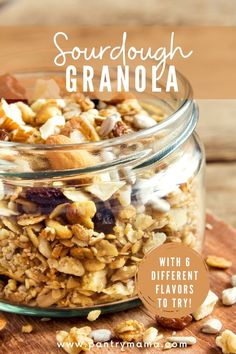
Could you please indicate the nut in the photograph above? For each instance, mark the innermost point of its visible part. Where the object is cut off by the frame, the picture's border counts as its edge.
(129, 331)
(68, 159)
(227, 342)
(150, 335)
(10, 116)
(82, 125)
(211, 326)
(174, 323)
(159, 205)
(218, 262)
(109, 124)
(142, 121)
(229, 296)
(101, 335)
(188, 340)
(93, 315)
(120, 129)
(81, 212)
(206, 307)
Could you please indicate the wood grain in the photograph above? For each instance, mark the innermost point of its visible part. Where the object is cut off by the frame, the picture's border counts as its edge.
(204, 12)
(221, 241)
(217, 129)
(221, 190)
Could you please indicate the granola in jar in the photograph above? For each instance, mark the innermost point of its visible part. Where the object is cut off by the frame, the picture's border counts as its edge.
(83, 197)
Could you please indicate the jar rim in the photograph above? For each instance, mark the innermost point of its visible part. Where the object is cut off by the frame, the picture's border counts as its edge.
(186, 102)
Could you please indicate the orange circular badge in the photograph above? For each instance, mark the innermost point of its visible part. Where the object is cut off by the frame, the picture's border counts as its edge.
(172, 280)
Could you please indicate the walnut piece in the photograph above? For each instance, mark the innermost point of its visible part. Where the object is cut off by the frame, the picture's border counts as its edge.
(130, 330)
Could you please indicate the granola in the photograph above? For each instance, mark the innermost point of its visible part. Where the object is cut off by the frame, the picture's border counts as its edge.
(77, 241)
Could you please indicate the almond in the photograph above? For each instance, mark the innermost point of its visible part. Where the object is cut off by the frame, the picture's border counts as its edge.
(63, 160)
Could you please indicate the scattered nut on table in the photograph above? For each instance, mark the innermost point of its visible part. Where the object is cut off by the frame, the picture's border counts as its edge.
(93, 315)
(206, 307)
(174, 323)
(190, 340)
(150, 335)
(130, 330)
(229, 296)
(101, 335)
(211, 326)
(75, 335)
(227, 342)
(218, 262)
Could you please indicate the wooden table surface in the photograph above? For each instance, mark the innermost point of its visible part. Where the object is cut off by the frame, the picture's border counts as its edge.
(221, 240)
(217, 129)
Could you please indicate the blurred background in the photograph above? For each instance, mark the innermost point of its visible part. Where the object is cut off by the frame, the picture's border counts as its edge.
(98, 12)
(217, 126)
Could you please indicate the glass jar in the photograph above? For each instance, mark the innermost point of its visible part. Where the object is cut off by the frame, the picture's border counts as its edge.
(72, 237)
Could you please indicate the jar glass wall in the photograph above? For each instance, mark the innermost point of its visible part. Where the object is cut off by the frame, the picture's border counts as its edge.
(76, 220)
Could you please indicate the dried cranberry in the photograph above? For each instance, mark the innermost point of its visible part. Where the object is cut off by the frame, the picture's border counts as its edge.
(104, 220)
(47, 198)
